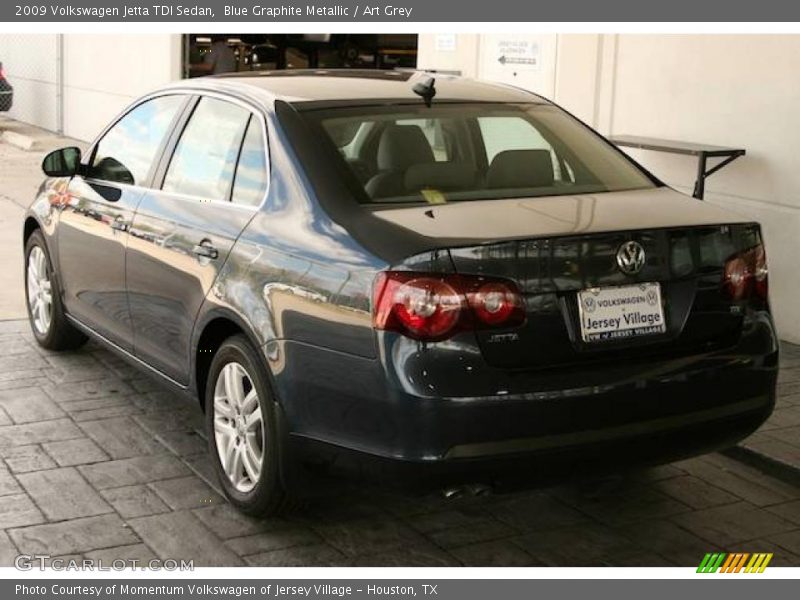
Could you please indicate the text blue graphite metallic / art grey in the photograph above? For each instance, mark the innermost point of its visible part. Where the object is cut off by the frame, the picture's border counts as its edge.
(403, 274)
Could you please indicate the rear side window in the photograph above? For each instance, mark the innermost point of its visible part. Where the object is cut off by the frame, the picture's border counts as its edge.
(127, 151)
(250, 183)
(204, 161)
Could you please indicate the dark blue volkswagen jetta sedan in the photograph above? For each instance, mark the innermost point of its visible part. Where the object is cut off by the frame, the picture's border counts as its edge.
(404, 274)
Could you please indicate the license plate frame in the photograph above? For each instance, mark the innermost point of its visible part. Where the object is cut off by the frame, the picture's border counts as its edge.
(615, 313)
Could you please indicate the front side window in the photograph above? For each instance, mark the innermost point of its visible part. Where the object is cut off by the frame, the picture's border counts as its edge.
(462, 152)
(127, 151)
(204, 162)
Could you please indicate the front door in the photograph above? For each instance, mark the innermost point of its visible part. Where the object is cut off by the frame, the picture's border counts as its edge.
(94, 222)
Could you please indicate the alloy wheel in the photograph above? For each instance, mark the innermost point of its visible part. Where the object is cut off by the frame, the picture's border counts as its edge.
(40, 296)
(238, 427)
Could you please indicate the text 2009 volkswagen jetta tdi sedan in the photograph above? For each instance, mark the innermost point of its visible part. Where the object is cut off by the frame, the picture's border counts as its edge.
(454, 279)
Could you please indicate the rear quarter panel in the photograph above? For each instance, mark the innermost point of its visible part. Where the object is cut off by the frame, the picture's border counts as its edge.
(294, 275)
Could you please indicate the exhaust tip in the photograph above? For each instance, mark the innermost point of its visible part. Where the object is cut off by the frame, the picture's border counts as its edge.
(452, 493)
(480, 489)
(471, 489)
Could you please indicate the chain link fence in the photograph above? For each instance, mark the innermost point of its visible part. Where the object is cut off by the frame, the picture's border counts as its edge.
(33, 66)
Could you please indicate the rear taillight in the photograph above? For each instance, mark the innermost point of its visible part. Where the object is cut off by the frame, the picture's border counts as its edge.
(432, 307)
(423, 307)
(495, 303)
(746, 275)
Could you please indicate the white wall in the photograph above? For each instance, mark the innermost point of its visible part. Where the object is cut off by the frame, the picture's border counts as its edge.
(101, 75)
(523, 60)
(719, 89)
(449, 52)
(105, 73)
(31, 63)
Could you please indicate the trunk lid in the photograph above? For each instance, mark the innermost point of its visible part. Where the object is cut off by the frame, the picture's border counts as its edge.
(572, 245)
(485, 221)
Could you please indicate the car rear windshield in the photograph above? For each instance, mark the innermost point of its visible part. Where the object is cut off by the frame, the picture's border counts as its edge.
(461, 152)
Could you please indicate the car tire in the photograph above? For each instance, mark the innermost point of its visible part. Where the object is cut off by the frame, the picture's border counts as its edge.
(46, 315)
(235, 441)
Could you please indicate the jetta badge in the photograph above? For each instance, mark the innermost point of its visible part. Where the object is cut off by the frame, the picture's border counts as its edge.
(630, 257)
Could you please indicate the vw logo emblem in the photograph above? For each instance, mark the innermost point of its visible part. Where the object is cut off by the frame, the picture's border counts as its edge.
(630, 257)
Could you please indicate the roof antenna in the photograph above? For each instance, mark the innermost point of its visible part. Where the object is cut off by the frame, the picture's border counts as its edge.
(426, 90)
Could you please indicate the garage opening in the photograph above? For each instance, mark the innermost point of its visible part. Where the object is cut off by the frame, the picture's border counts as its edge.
(205, 54)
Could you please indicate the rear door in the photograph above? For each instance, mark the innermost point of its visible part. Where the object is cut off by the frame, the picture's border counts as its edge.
(93, 226)
(210, 184)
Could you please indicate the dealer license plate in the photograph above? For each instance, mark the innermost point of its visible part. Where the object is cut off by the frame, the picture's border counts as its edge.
(621, 312)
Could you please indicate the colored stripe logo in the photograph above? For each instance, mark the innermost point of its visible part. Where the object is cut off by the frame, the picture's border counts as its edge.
(738, 562)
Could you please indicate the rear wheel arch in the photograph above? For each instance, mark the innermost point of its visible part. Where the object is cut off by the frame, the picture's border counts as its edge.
(213, 332)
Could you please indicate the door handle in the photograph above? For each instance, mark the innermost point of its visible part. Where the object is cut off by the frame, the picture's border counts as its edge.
(205, 250)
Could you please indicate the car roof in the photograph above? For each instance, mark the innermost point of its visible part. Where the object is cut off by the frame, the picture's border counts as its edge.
(320, 87)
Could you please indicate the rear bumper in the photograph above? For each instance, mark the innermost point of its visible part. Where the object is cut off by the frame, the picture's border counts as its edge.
(351, 411)
(537, 461)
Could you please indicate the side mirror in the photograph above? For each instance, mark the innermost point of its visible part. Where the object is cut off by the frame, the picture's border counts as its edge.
(63, 162)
